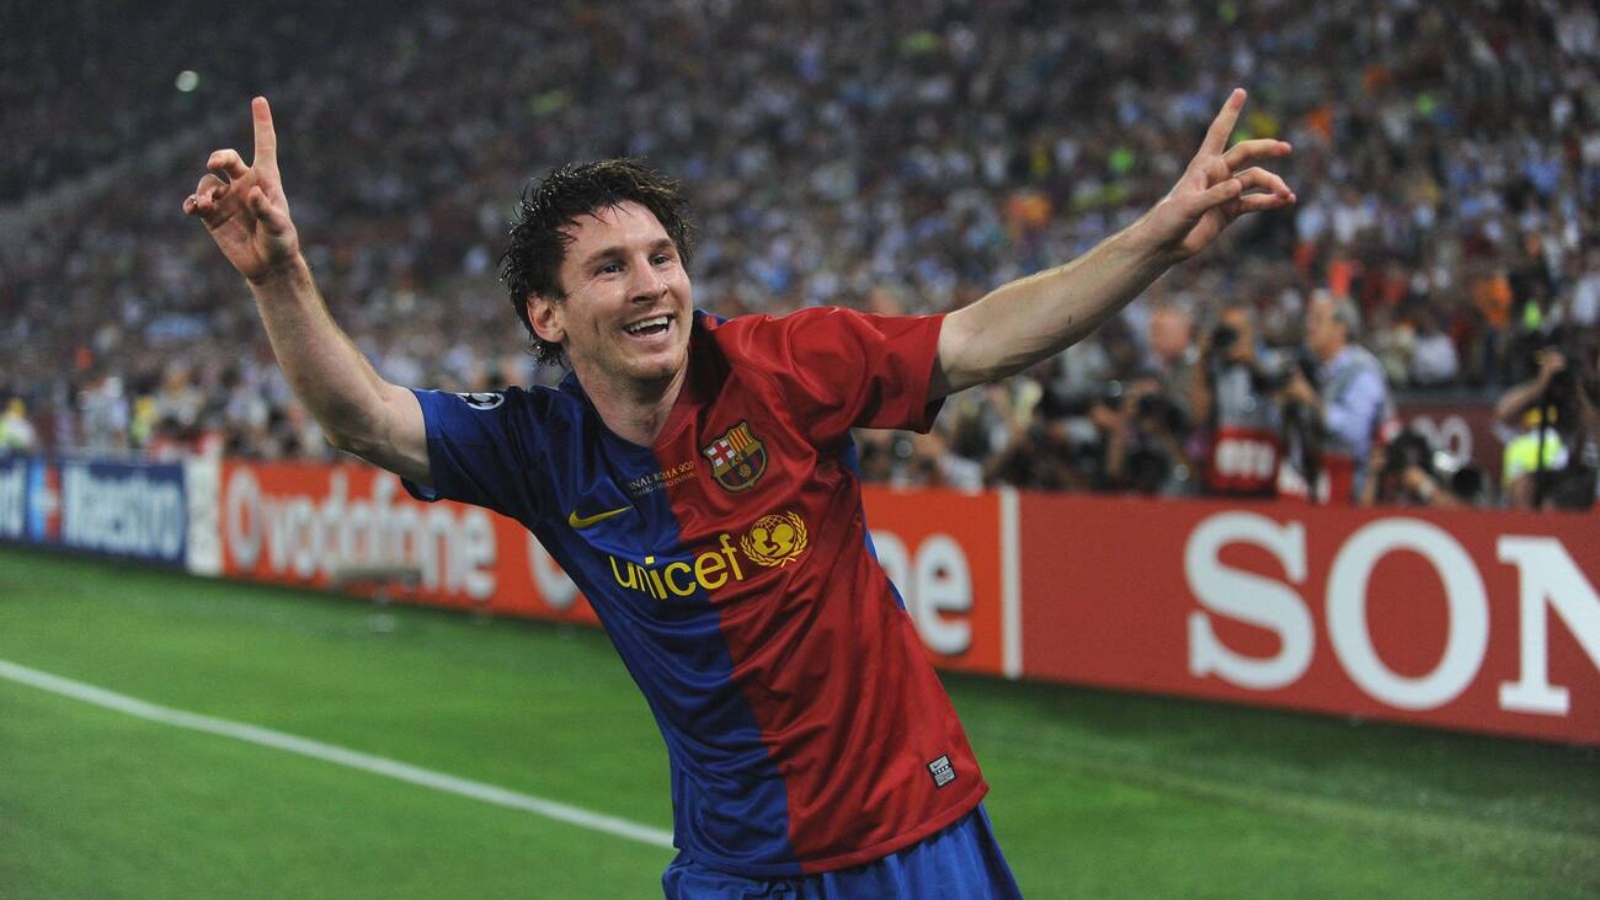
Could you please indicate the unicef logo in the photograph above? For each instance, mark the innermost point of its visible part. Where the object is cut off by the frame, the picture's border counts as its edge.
(483, 399)
(775, 540)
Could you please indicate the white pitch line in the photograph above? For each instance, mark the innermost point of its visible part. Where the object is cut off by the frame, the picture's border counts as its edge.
(366, 762)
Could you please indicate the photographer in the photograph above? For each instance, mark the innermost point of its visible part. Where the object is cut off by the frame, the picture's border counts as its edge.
(1234, 398)
(1409, 472)
(1550, 463)
(1345, 409)
(1057, 450)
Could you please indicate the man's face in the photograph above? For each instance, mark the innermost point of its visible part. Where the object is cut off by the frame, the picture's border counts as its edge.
(626, 318)
(1244, 348)
(1324, 336)
(1169, 335)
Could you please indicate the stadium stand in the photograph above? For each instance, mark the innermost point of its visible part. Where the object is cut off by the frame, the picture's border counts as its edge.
(900, 156)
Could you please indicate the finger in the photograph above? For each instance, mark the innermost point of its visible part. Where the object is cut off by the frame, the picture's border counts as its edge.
(266, 136)
(229, 163)
(207, 190)
(1222, 126)
(1218, 194)
(1246, 152)
(276, 218)
(1253, 203)
(1258, 180)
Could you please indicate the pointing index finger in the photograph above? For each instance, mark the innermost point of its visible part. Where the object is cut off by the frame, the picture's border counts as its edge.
(266, 138)
(1222, 126)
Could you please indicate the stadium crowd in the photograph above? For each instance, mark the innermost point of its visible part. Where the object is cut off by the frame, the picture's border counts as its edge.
(899, 157)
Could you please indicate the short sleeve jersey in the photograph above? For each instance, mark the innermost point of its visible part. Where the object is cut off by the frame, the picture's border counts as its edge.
(731, 566)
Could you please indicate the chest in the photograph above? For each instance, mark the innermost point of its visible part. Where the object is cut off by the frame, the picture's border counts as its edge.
(731, 499)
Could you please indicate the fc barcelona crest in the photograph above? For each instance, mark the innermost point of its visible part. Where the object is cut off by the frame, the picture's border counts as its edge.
(738, 458)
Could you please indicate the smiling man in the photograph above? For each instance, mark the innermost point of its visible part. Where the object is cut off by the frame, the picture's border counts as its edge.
(696, 478)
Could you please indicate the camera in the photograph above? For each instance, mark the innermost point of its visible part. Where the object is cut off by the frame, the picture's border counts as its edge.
(1406, 450)
(1223, 337)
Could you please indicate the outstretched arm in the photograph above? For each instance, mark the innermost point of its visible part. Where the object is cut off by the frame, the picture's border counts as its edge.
(247, 214)
(1027, 320)
(1511, 404)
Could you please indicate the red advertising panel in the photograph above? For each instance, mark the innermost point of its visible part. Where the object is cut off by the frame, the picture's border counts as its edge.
(349, 525)
(327, 526)
(1477, 621)
(942, 550)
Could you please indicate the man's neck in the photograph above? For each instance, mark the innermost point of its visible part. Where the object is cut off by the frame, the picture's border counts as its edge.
(635, 412)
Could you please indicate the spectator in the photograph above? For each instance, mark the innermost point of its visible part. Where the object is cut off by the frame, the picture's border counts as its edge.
(1530, 458)
(1434, 363)
(1347, 406)
(1057, 451)
(103, 416)
(17, 434)
(1540, 468)
(846, 159)
(1409, 472)
(1235, 400)
(1174, 358)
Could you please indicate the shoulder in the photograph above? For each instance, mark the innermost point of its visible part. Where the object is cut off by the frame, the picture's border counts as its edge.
(510, 408)
(504, 400)
(828, 329)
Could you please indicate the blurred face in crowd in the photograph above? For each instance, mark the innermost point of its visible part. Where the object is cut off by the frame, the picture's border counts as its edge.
(1238, 318)
(626, 317)
(1324, 335)
(1169, 335)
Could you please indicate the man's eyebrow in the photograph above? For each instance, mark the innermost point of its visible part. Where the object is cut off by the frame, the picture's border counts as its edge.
(617, 251)
(604, 253)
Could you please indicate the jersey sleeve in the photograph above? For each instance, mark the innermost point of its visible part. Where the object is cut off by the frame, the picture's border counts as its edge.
(838, 369)
(479, 453)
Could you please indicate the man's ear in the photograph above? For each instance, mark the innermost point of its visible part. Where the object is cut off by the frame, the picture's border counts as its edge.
(545, 315)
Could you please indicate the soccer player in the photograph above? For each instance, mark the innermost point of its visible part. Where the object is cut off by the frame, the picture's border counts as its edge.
(696, 478)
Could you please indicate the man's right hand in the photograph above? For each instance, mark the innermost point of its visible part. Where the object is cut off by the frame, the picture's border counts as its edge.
(1551, 362)
(244, 207)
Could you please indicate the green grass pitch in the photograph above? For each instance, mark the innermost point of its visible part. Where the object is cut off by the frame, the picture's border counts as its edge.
(1095, 795)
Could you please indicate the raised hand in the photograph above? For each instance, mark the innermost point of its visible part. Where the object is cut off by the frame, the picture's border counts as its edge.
(244, 207)
(1220, 184)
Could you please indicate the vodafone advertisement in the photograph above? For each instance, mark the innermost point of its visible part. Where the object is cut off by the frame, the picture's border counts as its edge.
(1477, 621)
(319, 525)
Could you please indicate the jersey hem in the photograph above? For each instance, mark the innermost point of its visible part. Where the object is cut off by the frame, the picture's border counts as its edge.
(855, 857)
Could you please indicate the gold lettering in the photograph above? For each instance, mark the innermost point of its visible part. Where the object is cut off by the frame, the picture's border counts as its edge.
(673, 584)
(660, 591)
(727, 551)
(630, 583)
(708, 566)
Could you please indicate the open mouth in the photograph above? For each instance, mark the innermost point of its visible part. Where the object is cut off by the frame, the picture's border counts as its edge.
(649, 327)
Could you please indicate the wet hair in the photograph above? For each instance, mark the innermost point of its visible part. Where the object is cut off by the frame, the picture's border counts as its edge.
(540, 229)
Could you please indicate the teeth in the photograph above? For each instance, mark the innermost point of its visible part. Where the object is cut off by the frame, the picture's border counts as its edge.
(637, 327)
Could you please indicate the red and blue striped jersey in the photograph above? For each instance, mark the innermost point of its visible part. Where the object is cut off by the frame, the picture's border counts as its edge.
(731, 566)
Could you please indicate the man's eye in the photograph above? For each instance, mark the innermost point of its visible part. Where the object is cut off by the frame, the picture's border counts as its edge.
(609, 269)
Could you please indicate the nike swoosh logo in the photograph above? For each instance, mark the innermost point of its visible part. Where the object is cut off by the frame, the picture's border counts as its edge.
(577, 521)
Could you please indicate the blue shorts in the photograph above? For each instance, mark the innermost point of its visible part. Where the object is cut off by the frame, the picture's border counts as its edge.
(962, 862)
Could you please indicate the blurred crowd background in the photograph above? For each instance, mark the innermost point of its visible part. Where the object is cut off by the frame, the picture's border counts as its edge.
(901, 156)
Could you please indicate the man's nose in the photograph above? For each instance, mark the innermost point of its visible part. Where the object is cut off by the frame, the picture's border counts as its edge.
(648, 282)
